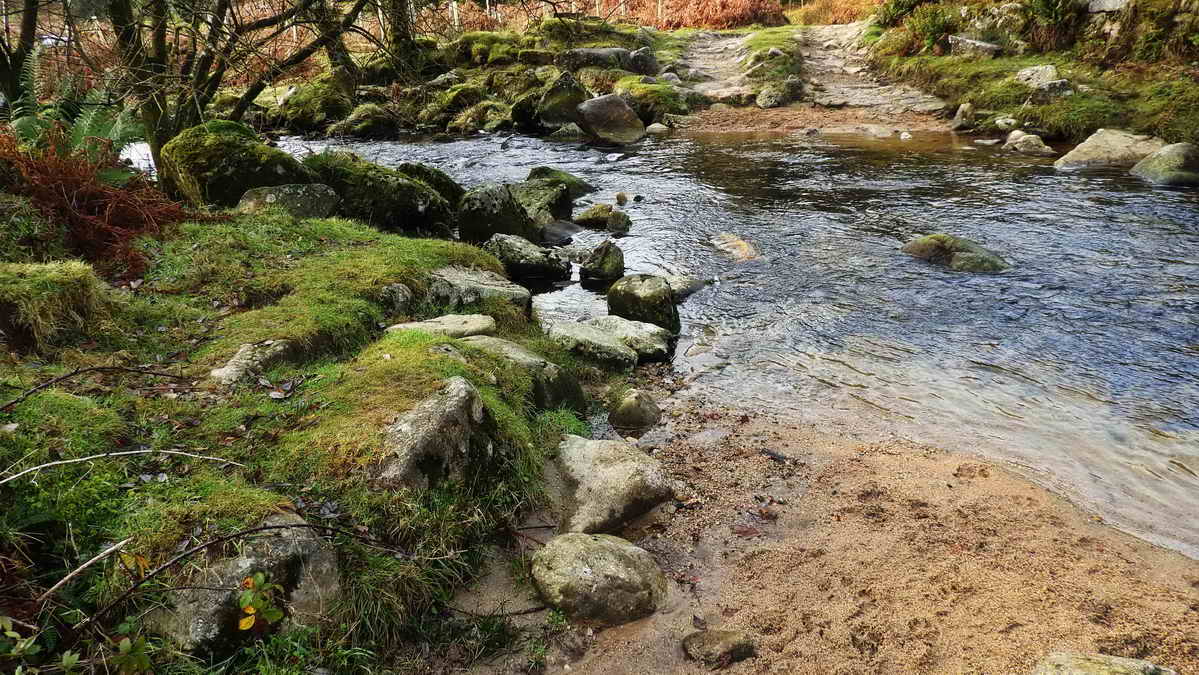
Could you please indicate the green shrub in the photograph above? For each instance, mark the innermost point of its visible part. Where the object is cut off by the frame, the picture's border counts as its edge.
(893, 12)
(1054, 22)
(931, 24)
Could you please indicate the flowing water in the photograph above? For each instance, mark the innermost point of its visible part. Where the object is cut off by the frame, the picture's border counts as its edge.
(1080, 365)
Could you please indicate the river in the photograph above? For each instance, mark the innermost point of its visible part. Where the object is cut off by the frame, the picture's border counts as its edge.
(1079, 366)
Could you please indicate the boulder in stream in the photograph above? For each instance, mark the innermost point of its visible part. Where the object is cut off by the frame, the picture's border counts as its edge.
(956, 253)
(492, 209)
(559, 103)
(1028, 144)
(546, 201)
(1110, 148)
(644, 297)
(604, 263)
(1175, 164)
(577, 187)
(522, 259)
(610, 120)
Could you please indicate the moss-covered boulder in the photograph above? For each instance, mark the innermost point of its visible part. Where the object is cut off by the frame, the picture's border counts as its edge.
(382, 197)
(602, 80)
(575, 185)
(216, 162)
(41, 302)
(595, 216)
(483, 48)
(314, 106)
(535, 57)
(26, 236)
(493, 209)
(644, 297)
(1175, 164)
(652, 101)
(545, 200)
(610, 120)
(440, 181)
(595, 57)
(956, 253)
(560, 101)
(604, 263)
(369, 120)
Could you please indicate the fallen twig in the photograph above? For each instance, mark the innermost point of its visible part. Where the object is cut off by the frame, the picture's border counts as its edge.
(80, 371)
(78, 570)
(122, 453)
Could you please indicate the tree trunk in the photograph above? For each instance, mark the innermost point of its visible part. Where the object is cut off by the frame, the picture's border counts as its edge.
(12, 57)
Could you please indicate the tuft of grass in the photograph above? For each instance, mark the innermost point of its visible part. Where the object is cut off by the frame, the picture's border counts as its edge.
(41, 302)
(26, 236)
(824, 12)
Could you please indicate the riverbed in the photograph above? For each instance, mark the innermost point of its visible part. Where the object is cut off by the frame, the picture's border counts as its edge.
(1079, 366)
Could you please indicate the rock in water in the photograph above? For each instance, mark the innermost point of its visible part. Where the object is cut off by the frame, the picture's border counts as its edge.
(492, 209)
(964, 118)
(1176, 164)
(604, 484)
(301, 200)
(611, 120)
(596, 216)
(577, 187)
(1110, 148)
(644, 297)
(523, 259)
(1027, 144)
(598, 578)
(718, 648)
(1062, 663)
(960, 255)
(650, 342)
(545, 201)
(635, 411)
(604, 263)
(735, 246)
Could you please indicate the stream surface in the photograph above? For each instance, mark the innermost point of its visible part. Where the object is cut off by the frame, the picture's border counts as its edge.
(1080, 365)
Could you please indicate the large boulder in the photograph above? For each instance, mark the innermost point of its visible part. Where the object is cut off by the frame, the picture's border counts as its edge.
(369, 120)
(1175, 164)
(592, 343)
(1062, 663)
(644, 297)
(295, 557)
(643, 62)
(601, 485)
(451, 325)
(960, 255)
(493, 209)
(652, 343)
(382, 197)
(553, 387)
(523, 259)
(216, 162)
(1110, 148)
(559, 103)
(435, 178)
(604, 263)
(455, 287)
(301, 200)
(437, 440)
(1028, 144)
(596, 57)
(524, 113)
(545, 201)
(577, 187)
(313, 106)
(636, 410)
(598, 578)
(610, 120)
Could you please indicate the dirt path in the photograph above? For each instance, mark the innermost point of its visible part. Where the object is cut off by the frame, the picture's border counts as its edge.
(841, 92)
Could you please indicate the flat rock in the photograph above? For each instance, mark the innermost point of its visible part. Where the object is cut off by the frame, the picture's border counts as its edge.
(451, 325)
(649, 341)
(251, 359)
(1062, 663)
(435, 440)
(1110, 148)
(301, 200)
(460, 286)
(718, 648)
(598, 578)
(592, 343)
(553, 387)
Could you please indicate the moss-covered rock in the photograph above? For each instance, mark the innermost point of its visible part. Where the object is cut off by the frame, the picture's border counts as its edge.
(40, 302)
(314, 106)
(510, 84)
(594, 57)
(440, 181)
(545, 200)
(382, 197)
(493, 209)
(653, 101)
(485, 47)
(559, 102)
(595, 216)
(26, 236)
(960, 255)
(535, 57)
(216, 162)
(369, 120)
(602, 80)
(524, 113)
(1175, 164)
(575, 185)
(644, 297)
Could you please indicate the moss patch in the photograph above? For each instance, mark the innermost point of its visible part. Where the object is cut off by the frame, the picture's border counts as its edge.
(380, 196)
(314, 106)
(41, 302)
(25, 235)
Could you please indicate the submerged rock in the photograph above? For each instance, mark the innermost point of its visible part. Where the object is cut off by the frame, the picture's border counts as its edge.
(1110, 148)
(1028, 144)
(736, 247)
(436, 440)
(553, 387)
(459, 286)
(296, 558)
(1175, 164)
(1062, 663)
(523, 259)
(492, 209)
(718, 648)
(644, 297)
(301, 200)
(451, 325)
(636, 410)
(598, 578)
(610, 119)
(961, 255)
(604, 484)
(604, 263)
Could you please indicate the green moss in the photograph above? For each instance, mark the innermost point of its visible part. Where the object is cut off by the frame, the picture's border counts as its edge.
(1169, 109)
(765, 62)
(488, 115)
(313, 106)
(602, 80)
(369, 120)
(216, 162)
(652, 101)
(380, 196)
(39, 303)
(435, 178)
(485, 47)
(577, 186)
(25, 235)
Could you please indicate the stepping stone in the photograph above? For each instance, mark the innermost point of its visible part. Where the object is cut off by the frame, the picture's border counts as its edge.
(451, 325)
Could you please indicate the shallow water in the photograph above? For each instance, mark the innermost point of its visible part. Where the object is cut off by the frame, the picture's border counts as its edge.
(1080, 365)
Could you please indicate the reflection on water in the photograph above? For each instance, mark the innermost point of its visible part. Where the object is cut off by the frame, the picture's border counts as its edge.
(1081, 364)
